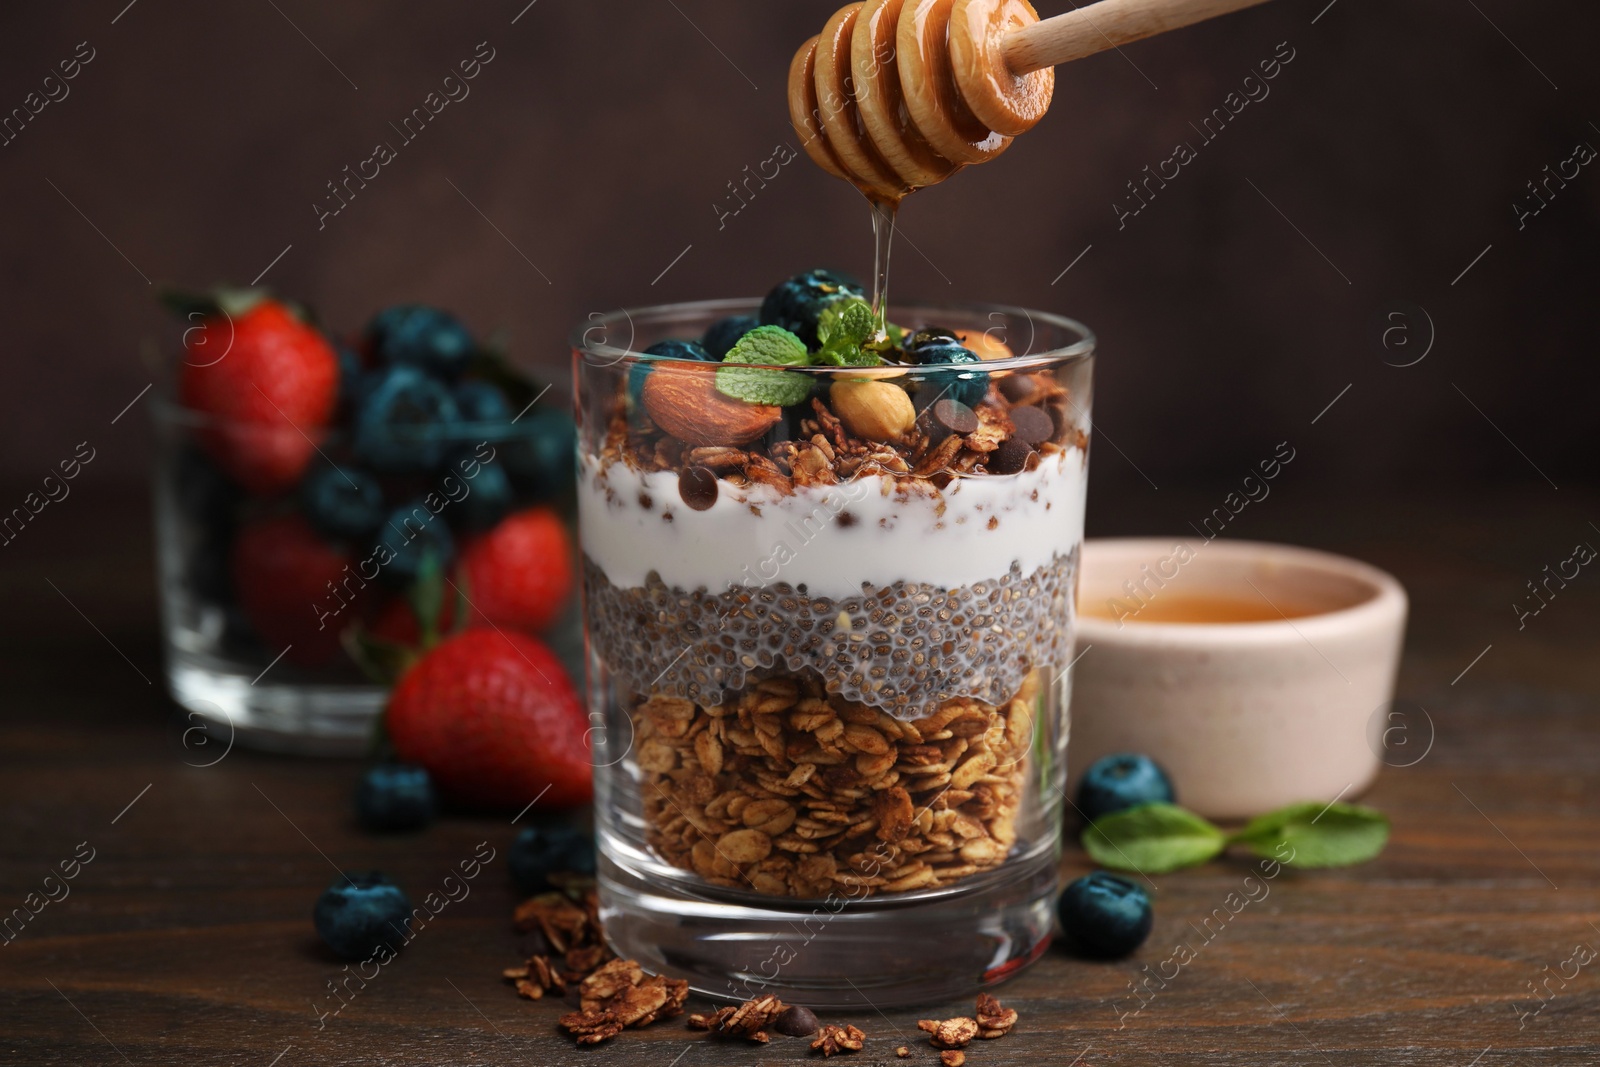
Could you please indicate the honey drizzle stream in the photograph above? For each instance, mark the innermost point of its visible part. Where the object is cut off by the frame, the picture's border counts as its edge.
(883, 220)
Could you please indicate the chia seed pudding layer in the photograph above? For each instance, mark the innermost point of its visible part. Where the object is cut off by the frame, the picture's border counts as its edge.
(905, 648)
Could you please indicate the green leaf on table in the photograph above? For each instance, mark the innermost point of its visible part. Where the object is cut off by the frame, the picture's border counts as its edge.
(1152, 839)
(1314, 834)
(773, 346)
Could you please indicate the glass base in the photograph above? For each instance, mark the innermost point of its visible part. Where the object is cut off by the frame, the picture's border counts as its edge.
(292, 718)
(871, 953)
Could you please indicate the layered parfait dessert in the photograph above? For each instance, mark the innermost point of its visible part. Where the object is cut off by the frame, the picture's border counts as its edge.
(829, 567)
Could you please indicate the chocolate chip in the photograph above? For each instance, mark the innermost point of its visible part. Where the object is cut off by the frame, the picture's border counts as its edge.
(955, 416)
(797, 1022)
(1017, 387)
(1062, 419)
(698, 487)
(847, 519)
(1010, 457)
(1032, 425)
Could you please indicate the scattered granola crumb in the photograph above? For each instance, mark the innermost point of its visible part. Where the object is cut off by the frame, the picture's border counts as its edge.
(952, 1058)
(949, 1033)
(994, 1019)
(902, 1052)
(834, 1039)
(535, 978)
(748, 1020)
(620, 995)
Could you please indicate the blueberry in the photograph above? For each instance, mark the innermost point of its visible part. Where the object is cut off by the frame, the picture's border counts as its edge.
(722, 334)
(341, 503)
(540, 851)
(489, 493)
(402, 425)
(360, 913)
(672, 349)
(969, 387)
(797, 303)
(1104, 916)
(411, 532)
(480, 401)
(542, 457)
(928, 337)
(420, 336)
(1114, 783)
(395, 796)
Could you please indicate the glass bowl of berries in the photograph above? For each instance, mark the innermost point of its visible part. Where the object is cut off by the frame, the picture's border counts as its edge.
(326, 509)
(829, 557)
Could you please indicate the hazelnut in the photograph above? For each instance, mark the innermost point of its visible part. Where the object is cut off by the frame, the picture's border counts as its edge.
(874, 410)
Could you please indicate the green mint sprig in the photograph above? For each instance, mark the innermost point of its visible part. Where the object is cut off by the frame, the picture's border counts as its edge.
(1157, 838)
(850, 334)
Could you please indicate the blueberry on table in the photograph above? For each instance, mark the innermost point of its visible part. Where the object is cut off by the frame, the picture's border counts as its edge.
(403, 423)
(967, 386)
(693, 351)
(420, 336)
(796, 303)
(395, 797)
(1121, 781)
(480, 401)
(341, 502)
(1103, 916)
(361, 913)
(411, 533)
(721, 335)
(540, 851)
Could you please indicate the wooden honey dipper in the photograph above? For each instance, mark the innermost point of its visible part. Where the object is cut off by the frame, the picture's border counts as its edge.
(896, 95)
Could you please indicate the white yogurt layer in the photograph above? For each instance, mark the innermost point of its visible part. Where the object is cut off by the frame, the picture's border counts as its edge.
(830, 539)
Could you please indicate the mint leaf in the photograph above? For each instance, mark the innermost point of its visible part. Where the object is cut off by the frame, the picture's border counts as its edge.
(756, 385)
(1316, 835)
(772, 345)
(848, 330)
(847, 322)
(1152, 839)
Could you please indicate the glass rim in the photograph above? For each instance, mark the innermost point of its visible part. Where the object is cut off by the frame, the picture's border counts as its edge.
(611, 355)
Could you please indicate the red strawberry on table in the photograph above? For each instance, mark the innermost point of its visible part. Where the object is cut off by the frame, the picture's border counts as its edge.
(519, 574)
(494, 719)
(281, 570)
(267, 383)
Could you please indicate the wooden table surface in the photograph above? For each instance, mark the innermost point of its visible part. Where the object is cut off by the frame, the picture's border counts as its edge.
(187, 938)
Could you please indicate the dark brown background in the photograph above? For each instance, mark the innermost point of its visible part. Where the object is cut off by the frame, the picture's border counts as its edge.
(602, 134)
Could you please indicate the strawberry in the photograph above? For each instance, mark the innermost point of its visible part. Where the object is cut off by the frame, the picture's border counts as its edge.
(494, 719)
(519, 574)
(396, 622)
(268, 383)
(282, 571)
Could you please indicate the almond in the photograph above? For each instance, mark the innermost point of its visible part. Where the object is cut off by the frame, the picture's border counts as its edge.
(684, 402)
(877, 411)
